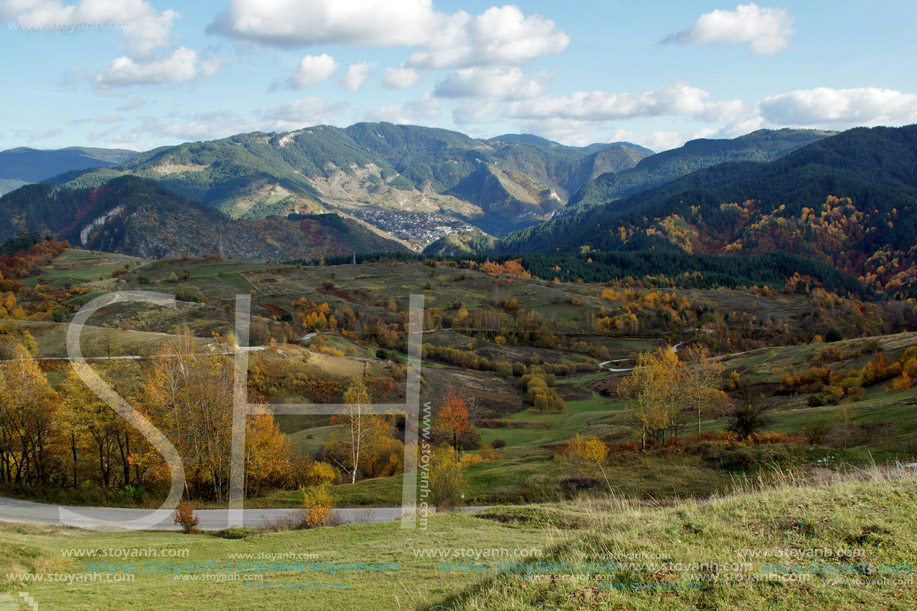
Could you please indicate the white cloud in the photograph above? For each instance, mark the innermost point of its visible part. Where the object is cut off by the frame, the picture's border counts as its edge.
(840, 108)
(179, 66)
(145, 30)
(313, 69)
(202, 126)
(399, 78)
(425, 111)
(575, 132)
(499, 36)
(659, 140)
(677, 99)
(35, 136)
(492, 82)
(180, 127)
(292, 23)
(474, 111)
(356, 74)
(306, 111)
(132, 104)
(766, 30)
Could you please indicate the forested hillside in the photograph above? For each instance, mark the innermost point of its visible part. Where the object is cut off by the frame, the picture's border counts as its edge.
(848, 201)
(138, 217)
(762, 145)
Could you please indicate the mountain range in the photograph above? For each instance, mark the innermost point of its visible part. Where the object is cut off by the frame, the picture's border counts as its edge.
(21, 166)
(497, 185)
(844, 200)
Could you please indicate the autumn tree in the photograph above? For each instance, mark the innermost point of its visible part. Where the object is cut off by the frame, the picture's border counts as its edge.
(89, 426)
(654, 386)
(360, 434)
(453, 419)
(190, 397)
(699, 380)
(28, 407)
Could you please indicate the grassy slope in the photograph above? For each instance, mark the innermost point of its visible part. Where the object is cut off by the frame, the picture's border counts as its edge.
(872, 516)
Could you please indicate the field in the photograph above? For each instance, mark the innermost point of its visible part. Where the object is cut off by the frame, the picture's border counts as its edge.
(606, 554)
(879, 425)
(689, 498)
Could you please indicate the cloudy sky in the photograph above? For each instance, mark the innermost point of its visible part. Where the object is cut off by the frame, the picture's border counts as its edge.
(144, 73)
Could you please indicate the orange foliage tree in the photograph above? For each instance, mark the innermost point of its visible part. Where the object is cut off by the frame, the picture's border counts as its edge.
(453, 419)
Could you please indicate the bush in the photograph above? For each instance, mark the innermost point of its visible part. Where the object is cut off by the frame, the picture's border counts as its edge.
(747, 418)
(184, 517)
(746, 457)
(504, 369)
(498, 443)
(59, 313)
(320, 474)
(236, 532)
(316, 506)
(815, 430)
(586, 449)
(187, 292)
(447, 486)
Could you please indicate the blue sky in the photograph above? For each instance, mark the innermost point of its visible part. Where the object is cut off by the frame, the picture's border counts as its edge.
(139, 73)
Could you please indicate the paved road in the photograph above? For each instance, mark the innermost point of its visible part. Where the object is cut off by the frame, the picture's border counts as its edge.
(135, 357)
(15, 510)
(675, 349)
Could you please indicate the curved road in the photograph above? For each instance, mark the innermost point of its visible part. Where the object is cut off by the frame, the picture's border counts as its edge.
(617, 370)
(15, 510)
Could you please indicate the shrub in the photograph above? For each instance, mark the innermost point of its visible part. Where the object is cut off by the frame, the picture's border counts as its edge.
(586, 449)
(316, 506)
(815, 430)
(504, 369)
(487, 452)
(498, 443)
(187, 292)
(447, 486)
(320, 474)
(59, 313)
(902, 382)
(236, 532)
(747, 418)
(184, 517)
